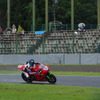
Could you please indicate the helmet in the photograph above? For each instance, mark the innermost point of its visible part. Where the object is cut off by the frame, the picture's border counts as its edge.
(31, 61)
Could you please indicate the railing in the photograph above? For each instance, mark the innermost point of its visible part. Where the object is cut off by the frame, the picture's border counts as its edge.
(41, 27)
(68, 48)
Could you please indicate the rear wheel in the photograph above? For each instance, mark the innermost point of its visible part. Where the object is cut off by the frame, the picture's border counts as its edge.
(51, 78)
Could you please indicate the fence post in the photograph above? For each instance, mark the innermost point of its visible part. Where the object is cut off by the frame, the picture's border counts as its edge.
(83, 46)
(43, 44)
(69, 48)
(97, 47)
(73, 41)
(16, 44)
(8, 13)
(2, 47)
(33, 15)
(42, 27)
(28, 47)
(66, 27)
(56, 46)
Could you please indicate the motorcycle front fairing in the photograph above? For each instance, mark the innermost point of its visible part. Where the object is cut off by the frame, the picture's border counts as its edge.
(21, 67)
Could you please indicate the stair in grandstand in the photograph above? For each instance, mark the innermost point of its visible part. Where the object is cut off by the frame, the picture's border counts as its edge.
(34, 47)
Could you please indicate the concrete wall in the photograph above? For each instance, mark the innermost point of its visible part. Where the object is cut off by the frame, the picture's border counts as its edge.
(52, 58)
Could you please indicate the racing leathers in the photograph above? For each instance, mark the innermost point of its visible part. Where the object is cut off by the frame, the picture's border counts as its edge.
(32, 68)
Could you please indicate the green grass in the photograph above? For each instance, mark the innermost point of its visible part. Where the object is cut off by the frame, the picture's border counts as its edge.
(77, 73)
(47, 92)
(58, 73)
(10, 72)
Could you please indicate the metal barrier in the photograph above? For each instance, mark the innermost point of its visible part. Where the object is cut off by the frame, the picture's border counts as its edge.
(41, 27)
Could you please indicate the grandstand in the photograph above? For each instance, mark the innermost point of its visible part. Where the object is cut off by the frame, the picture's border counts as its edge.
(50, 42)
(15, 44)
(68, 42)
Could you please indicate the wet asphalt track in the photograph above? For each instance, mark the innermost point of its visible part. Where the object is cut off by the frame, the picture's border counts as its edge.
(64, 80)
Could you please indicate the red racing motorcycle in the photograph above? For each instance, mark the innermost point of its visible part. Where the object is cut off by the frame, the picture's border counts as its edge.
(44, 76)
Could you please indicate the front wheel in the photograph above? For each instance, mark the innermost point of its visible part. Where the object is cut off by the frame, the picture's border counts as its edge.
(51, 78)
(24, 77)
(28, 80)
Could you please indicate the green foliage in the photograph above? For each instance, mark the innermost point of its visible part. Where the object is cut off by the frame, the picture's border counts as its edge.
(59, 73)
(63, 11)
(21, 12)
(85, 11)
(3, 14)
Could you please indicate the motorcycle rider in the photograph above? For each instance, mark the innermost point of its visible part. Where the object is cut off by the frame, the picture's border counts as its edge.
(29, 66)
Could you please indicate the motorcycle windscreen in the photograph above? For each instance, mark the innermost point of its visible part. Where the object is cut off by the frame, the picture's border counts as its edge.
(44, 67)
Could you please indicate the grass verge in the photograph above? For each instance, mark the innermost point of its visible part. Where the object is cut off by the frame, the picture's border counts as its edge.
(58, 73)
(47, 92)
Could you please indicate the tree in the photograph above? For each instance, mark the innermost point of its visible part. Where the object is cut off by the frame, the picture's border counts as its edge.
(85, 11)
(21, 12)
(3, 13)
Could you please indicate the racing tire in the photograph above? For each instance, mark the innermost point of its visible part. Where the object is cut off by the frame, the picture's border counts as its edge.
(29, 81)
(51, 78)
(25, 78)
